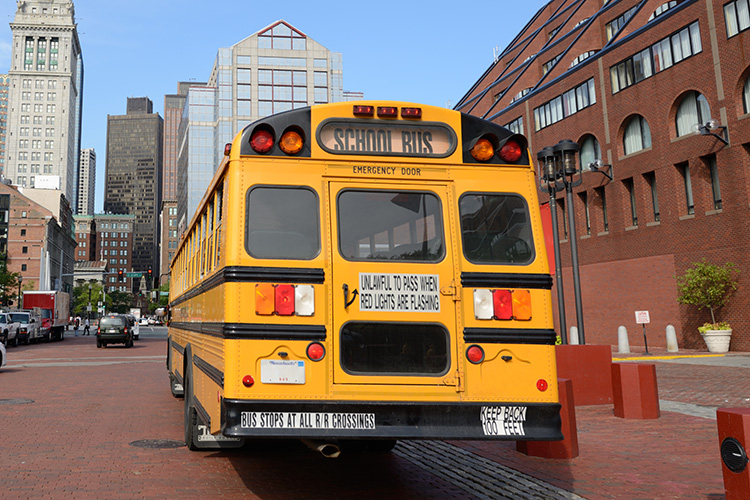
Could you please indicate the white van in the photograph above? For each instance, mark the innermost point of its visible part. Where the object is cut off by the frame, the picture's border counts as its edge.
(26, 325)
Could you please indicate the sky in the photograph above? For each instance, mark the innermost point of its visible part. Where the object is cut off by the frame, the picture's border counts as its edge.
(422, 52)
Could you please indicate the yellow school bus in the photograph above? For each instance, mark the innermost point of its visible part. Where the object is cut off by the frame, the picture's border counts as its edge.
(366, 272)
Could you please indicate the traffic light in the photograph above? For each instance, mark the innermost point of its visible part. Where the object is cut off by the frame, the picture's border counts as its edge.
(120, 277)
(150, 281)
(150, 273)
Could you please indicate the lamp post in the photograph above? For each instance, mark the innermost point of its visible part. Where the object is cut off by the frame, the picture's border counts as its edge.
(547, 174)
(561, 172)
(89, 308)
(20, 279)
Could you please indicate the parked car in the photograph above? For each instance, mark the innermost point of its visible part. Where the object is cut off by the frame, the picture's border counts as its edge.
(114, 329)
(26, 326)
(134, 326)
(3, 359)
(7, 332)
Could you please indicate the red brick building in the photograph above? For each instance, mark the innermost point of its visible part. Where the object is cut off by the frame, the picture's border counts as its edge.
(630, 81)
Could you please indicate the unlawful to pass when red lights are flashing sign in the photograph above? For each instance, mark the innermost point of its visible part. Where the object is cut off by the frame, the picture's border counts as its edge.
(399, 292)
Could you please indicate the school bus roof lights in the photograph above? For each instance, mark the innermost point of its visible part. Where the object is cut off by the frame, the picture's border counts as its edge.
(291, 142)
(364, 110)
(262, 140)
(387, 112)
(511, 151)
(483, 150)
(411, 112)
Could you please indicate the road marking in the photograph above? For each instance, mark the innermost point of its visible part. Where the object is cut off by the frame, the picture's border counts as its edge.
(691, 409)
(34, 360)
(88, 362)
(676, 356)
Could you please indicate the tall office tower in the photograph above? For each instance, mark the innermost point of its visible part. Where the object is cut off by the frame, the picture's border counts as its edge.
(275, 69)
(46, 96)
(133, 182)
(173, 107)
(4, 84)
(86, 182)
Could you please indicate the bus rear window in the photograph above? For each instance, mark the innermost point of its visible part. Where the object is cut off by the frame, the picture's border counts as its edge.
(394, 349)
(390, 225)
(495, 229)
(282, 223)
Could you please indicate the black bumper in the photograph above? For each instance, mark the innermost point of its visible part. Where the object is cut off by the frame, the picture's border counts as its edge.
(395, 420)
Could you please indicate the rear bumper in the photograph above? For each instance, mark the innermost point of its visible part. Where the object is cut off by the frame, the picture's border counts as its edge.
(113, 338)
(395, 420)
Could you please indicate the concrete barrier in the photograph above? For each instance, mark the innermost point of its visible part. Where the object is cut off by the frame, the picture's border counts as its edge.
(623, 344)
(634, 391)
(568, 447)
(671, 339)
(734, 440)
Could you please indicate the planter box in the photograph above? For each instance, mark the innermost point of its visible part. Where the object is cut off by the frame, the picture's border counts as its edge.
(717, 340)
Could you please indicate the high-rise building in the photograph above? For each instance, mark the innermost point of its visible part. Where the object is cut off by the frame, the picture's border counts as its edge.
(46, 96)
(114, 242)
(275, 69)
(133, 176)
(86, 182)
(4, 85)
(174, 104)
(657, 97)
(84, 228)
(169, 239)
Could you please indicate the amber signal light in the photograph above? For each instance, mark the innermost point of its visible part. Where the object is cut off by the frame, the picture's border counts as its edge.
(483, 150)
(291, 142)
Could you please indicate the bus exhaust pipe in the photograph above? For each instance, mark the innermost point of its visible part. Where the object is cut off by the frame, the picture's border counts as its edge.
(328, 450)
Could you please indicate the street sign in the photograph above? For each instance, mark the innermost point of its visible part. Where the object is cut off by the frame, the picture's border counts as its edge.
(133, 275)
(641, 317)
(164, 293)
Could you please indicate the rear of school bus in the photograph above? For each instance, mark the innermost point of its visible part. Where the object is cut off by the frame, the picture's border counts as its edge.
(383, 281)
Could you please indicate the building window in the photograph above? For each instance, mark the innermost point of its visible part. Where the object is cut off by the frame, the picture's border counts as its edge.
(519, 95)
(637, 135)
(660, 56)
(23, 267)
(651, 179)
(746, 95)
(737, 17)
(23, 232)
(23, 214)
(549, 64)
(24, 249)
(628, 183)
(685, 171)
(590, 151)
(562, 106)
(693, 110)
(516, 126)
(662, 9)
(587, 216)
(614, 26)
(281, 37)
(715, 190)
(603, 200)
(582, 57)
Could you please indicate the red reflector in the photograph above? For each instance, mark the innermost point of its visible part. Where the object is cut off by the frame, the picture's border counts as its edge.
(475, 354)
(510, 152)
(261, 141)
(542, 385)
(316, 351)
(364, 110)
(502, 303)
(248, 381)
(227, 148)
(387, 111)
(411, 112)
(284, 300)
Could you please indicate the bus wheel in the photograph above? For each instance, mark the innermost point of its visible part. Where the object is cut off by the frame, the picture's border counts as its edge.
(191, 416)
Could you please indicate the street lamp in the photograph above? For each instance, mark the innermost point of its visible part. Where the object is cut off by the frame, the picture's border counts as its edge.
(710, 126)
(560, 171)
(20, 279)
(89, 308)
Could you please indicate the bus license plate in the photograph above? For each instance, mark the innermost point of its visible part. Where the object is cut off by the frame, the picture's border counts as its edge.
(282, 372)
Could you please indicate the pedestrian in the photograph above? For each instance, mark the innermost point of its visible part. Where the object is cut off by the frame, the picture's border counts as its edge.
(86, 330)
(76, 323)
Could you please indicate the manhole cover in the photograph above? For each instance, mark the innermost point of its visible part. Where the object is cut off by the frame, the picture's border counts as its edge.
(16, 401)
(157, 443)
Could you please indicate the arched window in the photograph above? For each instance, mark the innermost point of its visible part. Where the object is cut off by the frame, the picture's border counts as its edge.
(582, 57)
(693, 110)
(746, 95)
(662, 9)
(637, 135)
(590, 151)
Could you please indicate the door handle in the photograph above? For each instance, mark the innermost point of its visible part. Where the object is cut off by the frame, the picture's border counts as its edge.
(348, 302)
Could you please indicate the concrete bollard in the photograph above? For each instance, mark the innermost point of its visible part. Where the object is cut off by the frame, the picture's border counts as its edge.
(671, 339)
(634, 390)
(573, 337)
(623, 345)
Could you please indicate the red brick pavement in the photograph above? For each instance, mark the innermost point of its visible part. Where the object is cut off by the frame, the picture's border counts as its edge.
(73, 441)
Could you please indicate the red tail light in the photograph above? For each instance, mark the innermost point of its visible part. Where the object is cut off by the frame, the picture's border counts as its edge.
(316, 351)
(248, 381)
(261, 141)
(475, 354)
(411, 112)
(503, 304)
(542, 385)
(510, 152)
(284, 300)
(363, 110)
(387, 111)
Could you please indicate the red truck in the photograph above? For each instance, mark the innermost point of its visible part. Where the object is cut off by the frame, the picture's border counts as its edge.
(54, 311)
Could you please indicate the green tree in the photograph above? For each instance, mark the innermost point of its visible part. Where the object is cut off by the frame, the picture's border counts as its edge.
(8, 283)
(119, 302)
(707, 285)
(80, 297)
